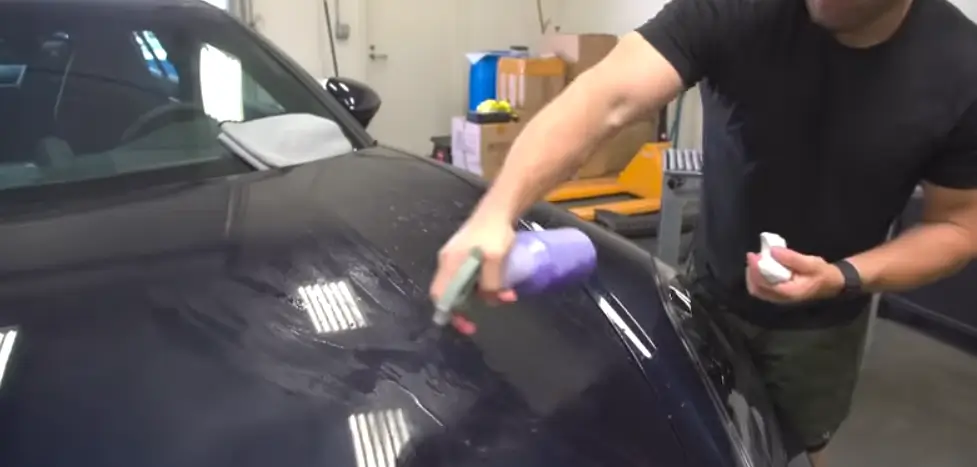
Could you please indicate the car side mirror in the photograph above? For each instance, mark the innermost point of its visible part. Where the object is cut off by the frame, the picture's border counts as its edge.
(358, 98)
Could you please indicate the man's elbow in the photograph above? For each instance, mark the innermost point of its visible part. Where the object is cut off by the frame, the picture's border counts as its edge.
(955, 209)
(959, 237)
(964, 224)
(595, 93)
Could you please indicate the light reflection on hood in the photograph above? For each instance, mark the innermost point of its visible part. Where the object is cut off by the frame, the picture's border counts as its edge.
(332, 307)
(378, 437)
(7, 338)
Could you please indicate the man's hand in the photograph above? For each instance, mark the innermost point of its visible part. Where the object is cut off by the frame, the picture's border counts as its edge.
(814, 278)
(494, 237)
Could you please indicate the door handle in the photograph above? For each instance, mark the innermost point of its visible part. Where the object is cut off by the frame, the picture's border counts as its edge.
(374, 55)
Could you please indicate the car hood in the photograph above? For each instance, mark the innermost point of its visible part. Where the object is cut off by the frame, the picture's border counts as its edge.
(281, 318)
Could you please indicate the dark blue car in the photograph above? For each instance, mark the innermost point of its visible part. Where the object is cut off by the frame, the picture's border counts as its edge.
(207, 262)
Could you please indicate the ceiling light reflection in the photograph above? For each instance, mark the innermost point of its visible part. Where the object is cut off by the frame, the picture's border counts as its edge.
(378, 437)
(622, 326)
(7, 338)
(332, 307)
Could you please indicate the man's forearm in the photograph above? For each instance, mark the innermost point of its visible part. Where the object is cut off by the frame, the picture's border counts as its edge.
(919, 256)
(551, 148)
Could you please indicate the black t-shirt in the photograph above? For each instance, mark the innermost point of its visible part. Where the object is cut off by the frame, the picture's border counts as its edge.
(818, 142)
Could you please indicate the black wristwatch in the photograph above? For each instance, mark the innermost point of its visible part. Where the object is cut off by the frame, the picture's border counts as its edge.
(853, 280)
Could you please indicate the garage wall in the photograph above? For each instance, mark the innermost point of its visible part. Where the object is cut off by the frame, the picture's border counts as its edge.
(967, 6)
(298, 26)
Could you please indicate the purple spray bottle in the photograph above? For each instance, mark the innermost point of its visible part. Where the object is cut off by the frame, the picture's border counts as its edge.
(540, 260)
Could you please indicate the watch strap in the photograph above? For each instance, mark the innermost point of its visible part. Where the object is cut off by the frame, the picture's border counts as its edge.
(853, 280)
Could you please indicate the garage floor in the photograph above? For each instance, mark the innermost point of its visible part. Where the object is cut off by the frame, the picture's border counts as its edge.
(915, 406)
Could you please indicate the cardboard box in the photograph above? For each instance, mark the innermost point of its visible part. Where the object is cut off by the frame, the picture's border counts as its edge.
(458, 143)
(482, 148)
(530, 83)
(579, 51)
(615, 154)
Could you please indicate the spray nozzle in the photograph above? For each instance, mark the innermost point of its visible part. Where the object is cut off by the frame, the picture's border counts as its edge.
(460, 287)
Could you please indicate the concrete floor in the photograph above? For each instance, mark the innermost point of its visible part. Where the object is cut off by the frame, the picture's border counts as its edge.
(915, 406)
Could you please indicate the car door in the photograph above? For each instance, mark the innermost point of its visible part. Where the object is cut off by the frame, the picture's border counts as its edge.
(729, 377)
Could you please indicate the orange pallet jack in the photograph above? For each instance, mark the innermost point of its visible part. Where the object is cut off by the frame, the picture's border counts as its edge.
(635, 191)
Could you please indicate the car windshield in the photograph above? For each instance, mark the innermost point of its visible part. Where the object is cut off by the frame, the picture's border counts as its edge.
(106, 89)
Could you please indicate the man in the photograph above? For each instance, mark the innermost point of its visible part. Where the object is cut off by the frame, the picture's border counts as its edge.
(821, 117)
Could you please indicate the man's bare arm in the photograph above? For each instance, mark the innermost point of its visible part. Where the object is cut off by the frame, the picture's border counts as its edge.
(941, 245)
(632, 82)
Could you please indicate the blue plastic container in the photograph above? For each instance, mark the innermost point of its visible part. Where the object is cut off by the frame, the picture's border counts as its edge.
(482, 75)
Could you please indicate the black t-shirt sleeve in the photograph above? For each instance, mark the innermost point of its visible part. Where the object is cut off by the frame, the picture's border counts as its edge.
(696, 35)
(955, 164)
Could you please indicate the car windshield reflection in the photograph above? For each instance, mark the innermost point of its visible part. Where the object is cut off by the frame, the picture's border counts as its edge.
(102, 91)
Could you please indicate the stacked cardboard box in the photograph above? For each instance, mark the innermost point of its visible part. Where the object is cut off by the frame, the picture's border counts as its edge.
(579, 51)
(529, 83)
(481, 148)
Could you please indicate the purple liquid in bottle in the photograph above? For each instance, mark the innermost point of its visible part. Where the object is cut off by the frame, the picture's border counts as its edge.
(545, 259)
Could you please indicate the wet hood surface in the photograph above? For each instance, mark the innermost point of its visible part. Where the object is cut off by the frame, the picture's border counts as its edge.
(281, 319)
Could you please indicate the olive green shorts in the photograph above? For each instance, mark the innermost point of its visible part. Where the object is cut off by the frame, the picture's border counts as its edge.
(809, 373)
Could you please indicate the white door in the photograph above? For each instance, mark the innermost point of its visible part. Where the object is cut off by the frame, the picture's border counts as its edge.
(416, 63)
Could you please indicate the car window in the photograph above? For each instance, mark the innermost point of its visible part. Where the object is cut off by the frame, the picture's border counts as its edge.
(155, 56)
(92, 91)
(229, 92)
